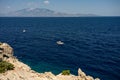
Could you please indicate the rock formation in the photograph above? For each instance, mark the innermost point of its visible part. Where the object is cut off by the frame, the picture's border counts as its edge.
(5, 51)
(24, 72)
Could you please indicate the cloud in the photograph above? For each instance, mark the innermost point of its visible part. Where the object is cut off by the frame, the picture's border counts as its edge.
(46, 2)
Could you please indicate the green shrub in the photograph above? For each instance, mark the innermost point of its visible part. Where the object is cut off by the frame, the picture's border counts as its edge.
(66, 72)
(0, 43)
(5, 66)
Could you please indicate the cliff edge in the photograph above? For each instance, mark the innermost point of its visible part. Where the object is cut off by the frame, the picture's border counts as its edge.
(23, 72)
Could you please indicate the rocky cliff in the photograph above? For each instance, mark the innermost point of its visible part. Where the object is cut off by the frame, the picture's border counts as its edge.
(24, 72)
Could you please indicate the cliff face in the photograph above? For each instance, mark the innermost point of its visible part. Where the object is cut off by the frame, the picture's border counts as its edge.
(24, 72)
(5, 51)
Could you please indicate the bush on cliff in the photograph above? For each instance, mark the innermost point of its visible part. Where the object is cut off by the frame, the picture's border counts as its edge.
(66, 72)
(5, 66)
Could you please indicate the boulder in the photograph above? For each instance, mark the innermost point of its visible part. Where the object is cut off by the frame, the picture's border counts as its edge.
(6, 51)
(81, 73)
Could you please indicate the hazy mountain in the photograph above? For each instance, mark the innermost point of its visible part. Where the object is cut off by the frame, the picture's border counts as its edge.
(41, 12)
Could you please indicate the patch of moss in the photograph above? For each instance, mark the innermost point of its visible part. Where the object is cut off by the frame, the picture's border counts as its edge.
(5, 66)
(66, 72)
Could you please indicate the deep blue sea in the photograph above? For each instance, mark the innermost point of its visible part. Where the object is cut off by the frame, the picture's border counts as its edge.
(90, 43)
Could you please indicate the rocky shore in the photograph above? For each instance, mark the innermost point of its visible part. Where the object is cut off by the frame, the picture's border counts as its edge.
(23, 72)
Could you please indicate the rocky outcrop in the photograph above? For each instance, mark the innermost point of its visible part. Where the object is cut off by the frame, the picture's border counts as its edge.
(24, 72)
(5, 51)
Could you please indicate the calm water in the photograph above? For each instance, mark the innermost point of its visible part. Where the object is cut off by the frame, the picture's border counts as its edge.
(92, 44)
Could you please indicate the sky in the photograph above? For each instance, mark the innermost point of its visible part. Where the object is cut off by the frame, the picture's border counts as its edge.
(98, 7)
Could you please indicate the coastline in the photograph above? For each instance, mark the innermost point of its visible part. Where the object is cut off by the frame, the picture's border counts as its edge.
(24, 72)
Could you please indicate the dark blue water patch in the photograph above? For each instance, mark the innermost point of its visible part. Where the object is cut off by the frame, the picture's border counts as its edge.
(92, 44)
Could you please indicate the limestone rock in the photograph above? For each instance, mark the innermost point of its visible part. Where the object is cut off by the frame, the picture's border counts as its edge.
(5, 51)
(97, 79)
(81, 73)
(89, 78)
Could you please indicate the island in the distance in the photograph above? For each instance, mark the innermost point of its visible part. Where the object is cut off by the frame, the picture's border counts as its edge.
(42, 12)
(12, 69)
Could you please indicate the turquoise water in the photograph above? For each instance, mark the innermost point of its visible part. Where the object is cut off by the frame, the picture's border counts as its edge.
(92, 44)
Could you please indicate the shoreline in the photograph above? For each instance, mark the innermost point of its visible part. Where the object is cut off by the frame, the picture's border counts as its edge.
(24, 72)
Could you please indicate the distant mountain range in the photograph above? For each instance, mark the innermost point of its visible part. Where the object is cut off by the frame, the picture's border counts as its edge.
(41, 12)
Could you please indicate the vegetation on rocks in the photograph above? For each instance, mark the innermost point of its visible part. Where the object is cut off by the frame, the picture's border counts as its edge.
(66, 72)
(0, 43)
(5, 66)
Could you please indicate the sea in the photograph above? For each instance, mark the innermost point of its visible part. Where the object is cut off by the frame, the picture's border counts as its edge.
(90, 43)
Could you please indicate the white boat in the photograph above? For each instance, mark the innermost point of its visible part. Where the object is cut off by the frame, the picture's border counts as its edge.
(24, 30)
(60, 42)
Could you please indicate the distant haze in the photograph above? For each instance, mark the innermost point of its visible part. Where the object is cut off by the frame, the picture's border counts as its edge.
(98, 7)
(41, 12)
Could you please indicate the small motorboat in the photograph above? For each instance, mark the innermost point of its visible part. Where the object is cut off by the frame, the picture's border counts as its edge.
(24, 30)
(60, 42)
